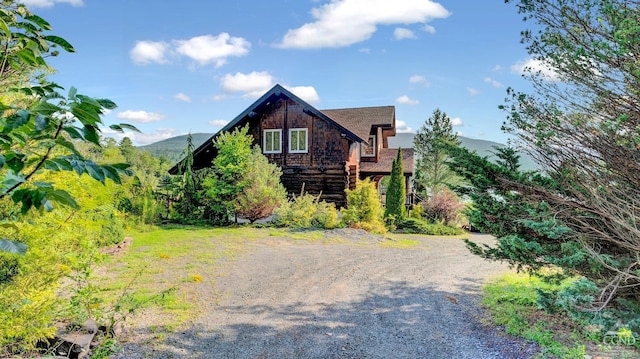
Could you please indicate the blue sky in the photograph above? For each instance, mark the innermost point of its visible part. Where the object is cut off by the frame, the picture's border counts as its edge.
(175, 67)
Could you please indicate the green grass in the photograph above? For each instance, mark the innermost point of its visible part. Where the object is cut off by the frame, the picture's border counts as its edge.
(511, 300)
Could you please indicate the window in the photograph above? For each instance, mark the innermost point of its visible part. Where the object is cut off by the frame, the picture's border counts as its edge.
(369, 150)
(298, 140)
(272, 141)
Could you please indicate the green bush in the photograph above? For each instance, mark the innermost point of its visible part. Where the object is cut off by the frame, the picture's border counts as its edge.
(364, 209)
(9, 266)
(306, 211)
(419, 226)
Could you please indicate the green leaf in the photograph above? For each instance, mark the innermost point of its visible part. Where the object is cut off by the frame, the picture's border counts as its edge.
(18, 119)
(122, 126)
(106, 103)
(7, 245)
(47, 109)
(86, 114)
(60, 42)
(95, 171)
(62, 197)
(4, 27)
(72, 92)
(44, 25)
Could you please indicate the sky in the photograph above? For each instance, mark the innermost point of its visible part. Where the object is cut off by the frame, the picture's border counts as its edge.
(175, 67)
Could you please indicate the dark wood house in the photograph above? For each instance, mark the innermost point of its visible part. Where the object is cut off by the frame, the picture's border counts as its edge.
(323, 150)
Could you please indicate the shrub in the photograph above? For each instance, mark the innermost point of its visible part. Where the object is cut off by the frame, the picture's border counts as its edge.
(306, 211)
(443, 206)
(364, 210)
(420, 226)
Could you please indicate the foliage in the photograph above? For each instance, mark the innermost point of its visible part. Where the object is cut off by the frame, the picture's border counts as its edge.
(443, 206)
(230, 165)
(261, 191)
(396, 192)
(185, 188)
(429, 143)
(306, 211)
(420, 226)
(582, 126)
(364, 210)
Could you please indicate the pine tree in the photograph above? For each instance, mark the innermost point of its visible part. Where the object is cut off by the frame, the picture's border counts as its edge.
(430, 144)
(396, 192)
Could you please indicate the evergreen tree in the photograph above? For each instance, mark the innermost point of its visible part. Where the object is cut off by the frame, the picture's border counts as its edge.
(430, 143)
(396, 192)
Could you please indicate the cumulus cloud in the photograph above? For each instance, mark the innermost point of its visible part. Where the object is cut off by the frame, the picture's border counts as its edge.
(405, 100)
(50, 3)
(456, 122)
(218, 123)
(253, 84)
(401, 127)
(342, 23)
(493, 82)
(472, 91)
(140, 139)
(307, 93)
(146, 52)
(535, 66)
(182, 97)
(208, 49)
(497, 68)
(418, 79)
(204, 50)
(401, 33)
(430, 29)
(140, 116)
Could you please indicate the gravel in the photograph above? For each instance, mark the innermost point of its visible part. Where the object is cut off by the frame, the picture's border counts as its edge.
(339, 299)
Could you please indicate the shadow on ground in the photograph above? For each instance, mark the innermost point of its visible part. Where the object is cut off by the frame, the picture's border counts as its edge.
(395, 319)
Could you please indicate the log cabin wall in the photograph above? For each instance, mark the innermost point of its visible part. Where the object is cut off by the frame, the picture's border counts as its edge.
(323, 168)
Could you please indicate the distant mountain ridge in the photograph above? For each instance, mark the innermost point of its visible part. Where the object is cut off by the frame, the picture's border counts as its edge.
(172, 148)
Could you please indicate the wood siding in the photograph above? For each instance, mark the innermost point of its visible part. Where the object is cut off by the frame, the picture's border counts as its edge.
(323, 168)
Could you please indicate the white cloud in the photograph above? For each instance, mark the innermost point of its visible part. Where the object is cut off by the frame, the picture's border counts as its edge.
(218, 123)
(497, 68)
(472, 91)
(405, 100)
(401, 127)
(418, 79)
(535, 66)
(307, 93)
(430, 29)
(365, 50)
(456, 121)
(140, 139)
(182, 97)
(50, 3)
(145, 52)
(253, 84)
(493, 82)
(140, 116)
(218, 97)
(342, 23)
(401, 33)
(207, 49)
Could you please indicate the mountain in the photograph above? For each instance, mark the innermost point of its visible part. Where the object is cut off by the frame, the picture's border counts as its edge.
(482, 147)
(173, 147)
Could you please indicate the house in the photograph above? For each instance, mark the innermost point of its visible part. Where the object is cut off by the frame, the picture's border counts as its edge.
(324, 151)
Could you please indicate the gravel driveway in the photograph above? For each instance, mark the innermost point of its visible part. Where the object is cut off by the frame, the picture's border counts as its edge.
(350, 299)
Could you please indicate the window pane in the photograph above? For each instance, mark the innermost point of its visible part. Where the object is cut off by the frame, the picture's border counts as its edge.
(303, 140)
(269, 141)
(276, 141)
(294, 140)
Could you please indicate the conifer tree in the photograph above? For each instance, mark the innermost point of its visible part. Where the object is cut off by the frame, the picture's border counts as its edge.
(396, 192)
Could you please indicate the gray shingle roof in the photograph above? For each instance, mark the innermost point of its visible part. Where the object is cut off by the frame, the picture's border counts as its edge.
(385, 160)
(360, 120)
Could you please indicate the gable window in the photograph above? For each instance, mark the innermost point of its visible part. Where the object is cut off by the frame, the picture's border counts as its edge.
(272, 141)
(298, 140)
(370, 149)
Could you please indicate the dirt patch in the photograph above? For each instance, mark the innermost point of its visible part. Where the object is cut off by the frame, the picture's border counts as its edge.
(319, 299)
(119, 248)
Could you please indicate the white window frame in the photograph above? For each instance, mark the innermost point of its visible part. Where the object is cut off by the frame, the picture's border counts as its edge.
(264, 140)
(306, 137)
(372, 140)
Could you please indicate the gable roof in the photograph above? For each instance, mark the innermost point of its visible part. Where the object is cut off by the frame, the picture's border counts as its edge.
(361, 120)
(275, 93)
